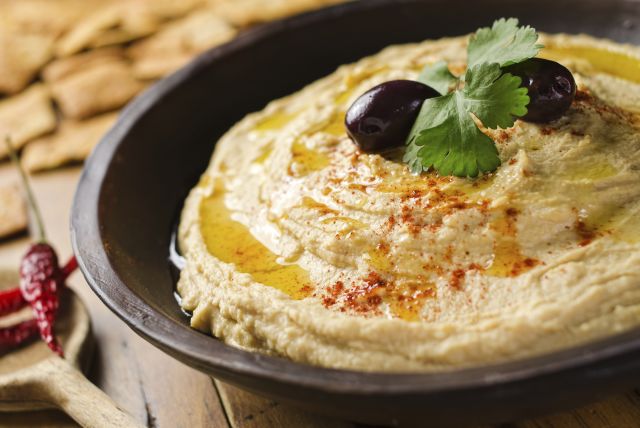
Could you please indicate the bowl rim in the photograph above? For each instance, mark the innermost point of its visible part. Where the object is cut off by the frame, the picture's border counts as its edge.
(210, 355)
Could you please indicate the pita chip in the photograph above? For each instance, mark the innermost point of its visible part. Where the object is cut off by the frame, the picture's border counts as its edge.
(21, 56)
(247, 12)
(121, 22)
(167, 9)
(73, 142)
(65, 67)
(178, 42)
(91, 85)
(51, 17)
(87, 29)
(26, 116)
(13, 211)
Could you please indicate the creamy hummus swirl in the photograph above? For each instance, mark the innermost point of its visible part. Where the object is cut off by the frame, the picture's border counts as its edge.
(298, 245)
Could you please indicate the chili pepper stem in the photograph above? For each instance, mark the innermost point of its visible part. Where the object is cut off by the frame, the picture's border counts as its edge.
(30, 196)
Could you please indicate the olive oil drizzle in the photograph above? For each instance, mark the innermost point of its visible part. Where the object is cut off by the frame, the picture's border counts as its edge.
(232, 242)
(615, 63)
(304, 160)
(508, 260)
(275, 122)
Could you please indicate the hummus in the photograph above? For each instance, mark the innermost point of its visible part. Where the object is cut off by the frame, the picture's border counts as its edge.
(298, 245)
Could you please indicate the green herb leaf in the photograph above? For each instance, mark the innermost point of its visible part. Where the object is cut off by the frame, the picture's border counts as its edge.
(438, 76)
(495, 98)
(504, 43)
(445, 136)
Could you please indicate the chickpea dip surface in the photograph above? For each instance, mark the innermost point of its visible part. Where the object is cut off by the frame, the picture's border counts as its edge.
(299, 245)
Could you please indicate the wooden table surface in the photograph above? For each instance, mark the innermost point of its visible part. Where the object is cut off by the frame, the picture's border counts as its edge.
(161, 392)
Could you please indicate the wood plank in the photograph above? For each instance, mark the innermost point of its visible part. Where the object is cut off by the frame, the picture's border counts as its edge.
(618, 411)
(246, 410)
(177, 396)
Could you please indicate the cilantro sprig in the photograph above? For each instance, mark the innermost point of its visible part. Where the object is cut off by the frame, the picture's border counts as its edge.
(446, 136)
(504, 43)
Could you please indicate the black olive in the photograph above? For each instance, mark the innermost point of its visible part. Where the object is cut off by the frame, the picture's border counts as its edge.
(382, 117)
(551, 88)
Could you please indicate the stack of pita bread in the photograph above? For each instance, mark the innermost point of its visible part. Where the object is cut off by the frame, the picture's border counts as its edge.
(68, 66)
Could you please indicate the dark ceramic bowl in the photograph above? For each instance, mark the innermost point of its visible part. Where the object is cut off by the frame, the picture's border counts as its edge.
(135, 182)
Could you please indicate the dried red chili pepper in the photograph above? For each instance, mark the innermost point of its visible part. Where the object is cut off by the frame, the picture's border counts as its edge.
(11, 301)
(11, 337)
(40, 273)
(40, 280)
